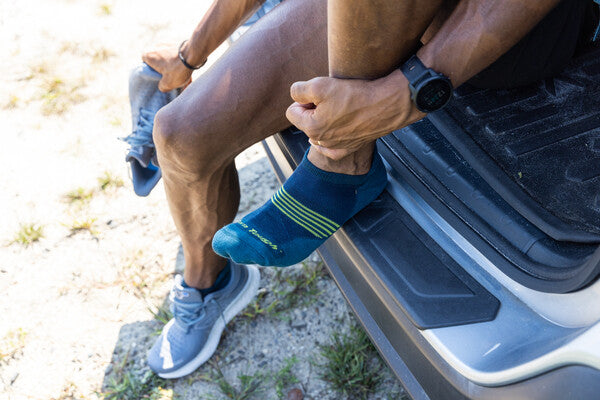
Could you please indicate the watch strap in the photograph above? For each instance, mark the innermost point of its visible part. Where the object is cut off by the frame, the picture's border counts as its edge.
(413, 69)
(184, 61)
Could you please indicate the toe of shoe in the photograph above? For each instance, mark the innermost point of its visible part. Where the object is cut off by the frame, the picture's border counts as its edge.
(153, 358)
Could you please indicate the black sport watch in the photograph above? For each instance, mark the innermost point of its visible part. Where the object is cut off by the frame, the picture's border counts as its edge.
(429, 90)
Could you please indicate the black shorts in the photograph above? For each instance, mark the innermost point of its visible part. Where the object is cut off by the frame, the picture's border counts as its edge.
(546, 50)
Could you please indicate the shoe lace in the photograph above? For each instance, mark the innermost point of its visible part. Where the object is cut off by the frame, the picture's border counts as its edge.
(142, 134)
(189, 313)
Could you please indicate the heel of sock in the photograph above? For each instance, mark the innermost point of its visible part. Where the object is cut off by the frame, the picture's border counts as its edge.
(373, 186)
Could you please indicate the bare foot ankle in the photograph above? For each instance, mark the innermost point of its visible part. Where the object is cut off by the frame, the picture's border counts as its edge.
(357, 163)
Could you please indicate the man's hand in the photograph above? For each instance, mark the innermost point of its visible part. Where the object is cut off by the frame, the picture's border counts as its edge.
(341, 115)
(166, 61)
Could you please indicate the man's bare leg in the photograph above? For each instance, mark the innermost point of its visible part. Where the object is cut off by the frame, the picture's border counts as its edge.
(241, 100)
(368, 39)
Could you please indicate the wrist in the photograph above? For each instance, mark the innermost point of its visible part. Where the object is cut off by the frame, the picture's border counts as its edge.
(396, 86)
(189, 57)
(431, 56)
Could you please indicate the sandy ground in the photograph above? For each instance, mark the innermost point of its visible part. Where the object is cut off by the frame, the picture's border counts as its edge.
(78, 305)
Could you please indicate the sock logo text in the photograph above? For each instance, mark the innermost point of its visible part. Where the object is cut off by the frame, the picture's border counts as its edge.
(254, 232)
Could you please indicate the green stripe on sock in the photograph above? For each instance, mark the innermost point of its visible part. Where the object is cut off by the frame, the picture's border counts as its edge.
(317, 224)
(302, 221)
(295, 220)
(331, 223)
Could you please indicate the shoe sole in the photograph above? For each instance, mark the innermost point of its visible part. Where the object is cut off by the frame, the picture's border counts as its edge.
(237, 305)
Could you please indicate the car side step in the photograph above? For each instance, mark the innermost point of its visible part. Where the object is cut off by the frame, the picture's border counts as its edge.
(425, 283)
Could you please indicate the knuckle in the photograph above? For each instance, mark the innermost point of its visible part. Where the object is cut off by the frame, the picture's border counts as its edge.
(320, 84)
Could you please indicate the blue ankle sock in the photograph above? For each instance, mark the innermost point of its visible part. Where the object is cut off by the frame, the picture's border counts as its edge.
(220, 283)
(305, 211)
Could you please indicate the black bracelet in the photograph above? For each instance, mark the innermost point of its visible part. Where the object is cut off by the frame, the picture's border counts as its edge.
(182, 58)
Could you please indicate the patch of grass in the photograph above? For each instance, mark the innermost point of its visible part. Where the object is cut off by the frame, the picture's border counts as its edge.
(102, 54)
(106, 9)
(108, 180)
(85, 224)
(115, 121)
(130, 387)
(284, 378)
(257, 307)
(58, 96)
(162, 314)
(70, 47)
(248, 385)
(28, 234)
(139, 274)
(351, 366)
(124, 384)
(12, 344)
(69, 392)
(135, 276)
(298, 289)
(292, 289)
(79, 195)
(41, 68)
(12, 102)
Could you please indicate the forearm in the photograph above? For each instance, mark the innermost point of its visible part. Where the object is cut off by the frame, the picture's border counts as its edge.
(219, 22)
(478, 32)
(347, 113)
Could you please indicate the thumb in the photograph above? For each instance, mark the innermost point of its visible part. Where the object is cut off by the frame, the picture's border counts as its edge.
(307, 92)
(164, 86)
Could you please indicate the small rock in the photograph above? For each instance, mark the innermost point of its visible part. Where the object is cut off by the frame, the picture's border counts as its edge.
(14, 378)
(297, 323)
(295, 394)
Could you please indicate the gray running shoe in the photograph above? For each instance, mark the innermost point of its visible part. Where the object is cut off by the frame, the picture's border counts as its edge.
(192, 336)
(145, 100)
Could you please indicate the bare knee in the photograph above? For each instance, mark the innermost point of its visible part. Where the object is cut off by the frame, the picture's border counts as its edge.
(181, 145)
(164, 131)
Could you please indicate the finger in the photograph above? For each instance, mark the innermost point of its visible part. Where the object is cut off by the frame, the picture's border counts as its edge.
(163, 86)
(300, 115)
(321, 143)
(307, 92)
(188, 83)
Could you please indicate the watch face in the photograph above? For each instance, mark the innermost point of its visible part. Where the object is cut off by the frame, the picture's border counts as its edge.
(434, 94)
